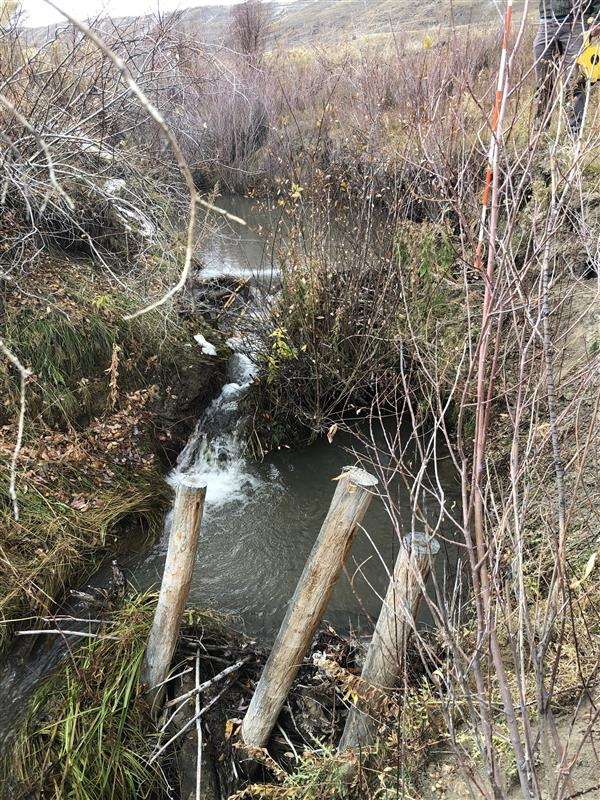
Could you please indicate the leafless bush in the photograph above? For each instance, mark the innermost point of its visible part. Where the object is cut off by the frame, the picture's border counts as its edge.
(79, 170)
(250, 22)
(502, 385)
(333, 329)
(364, 116)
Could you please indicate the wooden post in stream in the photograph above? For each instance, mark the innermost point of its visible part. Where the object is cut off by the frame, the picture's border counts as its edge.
(350, 501)
(175, 586)
(395, 623)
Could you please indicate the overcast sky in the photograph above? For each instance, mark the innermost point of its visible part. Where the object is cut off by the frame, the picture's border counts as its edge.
(38, 12)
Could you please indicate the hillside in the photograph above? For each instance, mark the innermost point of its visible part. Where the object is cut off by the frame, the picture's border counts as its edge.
(307, 19)
(306, 22)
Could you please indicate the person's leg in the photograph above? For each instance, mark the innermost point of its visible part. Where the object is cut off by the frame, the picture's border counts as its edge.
(572, 41)
(544, 52)
(579, 92)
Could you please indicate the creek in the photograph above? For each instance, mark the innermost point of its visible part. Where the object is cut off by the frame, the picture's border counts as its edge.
(260, 519)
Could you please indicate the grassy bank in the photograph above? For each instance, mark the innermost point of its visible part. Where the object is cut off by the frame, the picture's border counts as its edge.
(86, 733)
(107, 404)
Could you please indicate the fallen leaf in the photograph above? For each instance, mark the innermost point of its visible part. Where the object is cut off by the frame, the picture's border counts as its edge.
(79, 503)
(589, 568)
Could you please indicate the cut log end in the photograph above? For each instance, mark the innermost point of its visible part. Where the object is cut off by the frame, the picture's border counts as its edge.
(360, 477)
(191, 483)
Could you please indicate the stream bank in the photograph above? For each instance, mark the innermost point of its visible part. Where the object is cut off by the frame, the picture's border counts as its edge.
(107, 405)
(89, 734)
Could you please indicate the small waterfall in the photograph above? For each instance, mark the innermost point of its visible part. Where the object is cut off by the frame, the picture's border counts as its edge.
(214, 452)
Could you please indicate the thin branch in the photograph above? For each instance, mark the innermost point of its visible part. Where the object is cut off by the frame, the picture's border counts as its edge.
(24, 374)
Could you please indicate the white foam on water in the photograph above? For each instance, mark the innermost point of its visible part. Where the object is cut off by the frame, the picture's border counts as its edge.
(214, 452)
(219, 465)
(207, 347)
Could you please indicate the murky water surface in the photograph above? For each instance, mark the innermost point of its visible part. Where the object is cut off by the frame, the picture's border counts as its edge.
(244, 251)
(254, 543)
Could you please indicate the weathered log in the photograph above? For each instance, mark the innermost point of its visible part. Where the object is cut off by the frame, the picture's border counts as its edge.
(175, 586)
(394, 625)
(348, 506)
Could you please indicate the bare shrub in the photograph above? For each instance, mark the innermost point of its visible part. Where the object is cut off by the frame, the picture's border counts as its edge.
(331, 332)
(364, 116)
(250, 23)
(75, 173)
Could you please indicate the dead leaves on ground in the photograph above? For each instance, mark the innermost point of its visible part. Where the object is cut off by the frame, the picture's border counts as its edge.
(107, 443)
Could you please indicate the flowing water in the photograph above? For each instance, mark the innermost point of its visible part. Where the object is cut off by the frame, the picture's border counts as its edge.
(260, 519)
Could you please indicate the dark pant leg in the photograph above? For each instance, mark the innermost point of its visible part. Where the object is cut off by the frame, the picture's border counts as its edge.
(576, 102)
(545, 51)
(571, 41)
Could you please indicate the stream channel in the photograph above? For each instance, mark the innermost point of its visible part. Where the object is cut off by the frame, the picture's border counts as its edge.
(260, 519)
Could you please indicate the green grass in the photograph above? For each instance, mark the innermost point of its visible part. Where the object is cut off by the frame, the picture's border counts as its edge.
(86, 735)
(61, 354)
(66, 337)
(53, 544)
